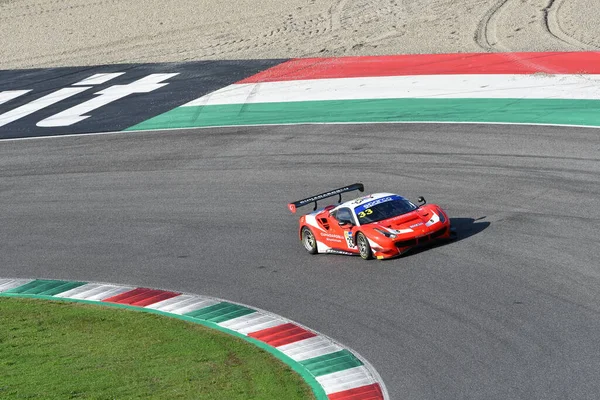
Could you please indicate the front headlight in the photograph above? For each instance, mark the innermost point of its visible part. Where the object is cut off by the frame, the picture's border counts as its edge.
(442, 216)
(386, 233)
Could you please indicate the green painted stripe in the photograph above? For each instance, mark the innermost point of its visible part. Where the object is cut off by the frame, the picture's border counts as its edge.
(44, 287)
(220, 312)
(330, 363)
(562, 112)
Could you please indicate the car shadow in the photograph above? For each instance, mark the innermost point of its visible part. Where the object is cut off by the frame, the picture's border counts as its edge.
(467, 227)
(464, 228)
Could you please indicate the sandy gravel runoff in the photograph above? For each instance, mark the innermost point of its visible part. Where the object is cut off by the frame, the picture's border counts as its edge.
(44, 33)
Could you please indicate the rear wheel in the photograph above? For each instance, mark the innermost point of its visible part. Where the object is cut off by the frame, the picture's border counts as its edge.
(364, 248)
(308, 240)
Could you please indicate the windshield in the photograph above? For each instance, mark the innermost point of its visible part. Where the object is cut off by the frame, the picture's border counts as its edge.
(384, 208)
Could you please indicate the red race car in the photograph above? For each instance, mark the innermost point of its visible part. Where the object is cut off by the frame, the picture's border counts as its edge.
(381, 225)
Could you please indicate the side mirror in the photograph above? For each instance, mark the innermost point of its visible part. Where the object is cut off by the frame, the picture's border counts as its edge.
(345, 222)
(421, 200)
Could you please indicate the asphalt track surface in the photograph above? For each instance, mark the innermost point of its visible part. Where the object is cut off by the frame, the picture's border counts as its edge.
(509, 310)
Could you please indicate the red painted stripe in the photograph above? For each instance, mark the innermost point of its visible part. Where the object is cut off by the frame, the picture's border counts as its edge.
(141, 297)
(155, 298)
(122, 296)
(282, 334)
(369, 392)
(431, 64)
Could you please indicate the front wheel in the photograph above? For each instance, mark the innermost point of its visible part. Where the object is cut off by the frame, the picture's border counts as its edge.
(364, 248)
(308, 240)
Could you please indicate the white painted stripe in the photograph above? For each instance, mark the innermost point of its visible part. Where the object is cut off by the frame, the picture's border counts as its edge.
(94, 292)
(38, 104)
(252, 323)
(98, 79)
(78, 292)
(106, 96)
(8, 95)
(7, 284)
(173, 303)
(183, 304)
(420, 86)
(346, 379)
(129, 133)
(309, 348)
(104, 293)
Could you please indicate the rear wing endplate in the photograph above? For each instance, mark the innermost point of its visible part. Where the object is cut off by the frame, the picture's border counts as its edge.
(350, 188)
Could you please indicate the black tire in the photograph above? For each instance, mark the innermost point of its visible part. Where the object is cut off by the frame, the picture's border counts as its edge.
(364, 248)
(308, 240)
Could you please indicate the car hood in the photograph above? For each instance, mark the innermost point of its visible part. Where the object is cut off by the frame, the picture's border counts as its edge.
(414, 221)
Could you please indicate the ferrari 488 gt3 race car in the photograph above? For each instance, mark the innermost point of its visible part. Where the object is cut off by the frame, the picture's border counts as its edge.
(381, 225)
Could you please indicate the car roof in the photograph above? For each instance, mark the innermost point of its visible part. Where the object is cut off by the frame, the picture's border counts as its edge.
(352, 204)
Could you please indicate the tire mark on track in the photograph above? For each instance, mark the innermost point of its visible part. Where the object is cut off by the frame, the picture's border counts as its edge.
(44, 8)
(335, 14)
(346, 15)
(485, 34)
(552, 25)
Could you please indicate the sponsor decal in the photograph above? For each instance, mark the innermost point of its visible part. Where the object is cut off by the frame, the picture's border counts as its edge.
(331, 235)
(415, 225)
(375, 202)
(349, 188)
(334, 251)
(349, 240)
(378, 201)
(323, 195)
(361, 199)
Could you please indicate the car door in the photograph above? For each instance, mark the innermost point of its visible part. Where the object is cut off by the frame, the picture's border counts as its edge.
(344, 214)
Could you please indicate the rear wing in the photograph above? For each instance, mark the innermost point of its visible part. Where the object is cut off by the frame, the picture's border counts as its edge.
(350, 188)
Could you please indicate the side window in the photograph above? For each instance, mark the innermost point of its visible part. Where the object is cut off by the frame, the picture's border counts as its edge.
(344, 214)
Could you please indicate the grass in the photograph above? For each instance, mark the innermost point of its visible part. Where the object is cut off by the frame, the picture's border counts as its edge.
(59, 350)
